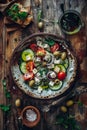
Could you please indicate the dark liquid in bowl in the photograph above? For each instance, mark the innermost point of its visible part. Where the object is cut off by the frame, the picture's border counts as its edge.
(70, 21)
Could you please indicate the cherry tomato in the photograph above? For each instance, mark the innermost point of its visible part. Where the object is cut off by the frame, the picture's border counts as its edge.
(28, 76)
(41, 52)
(30, 66)
(55, 47)
(61, 75)
(33, 47)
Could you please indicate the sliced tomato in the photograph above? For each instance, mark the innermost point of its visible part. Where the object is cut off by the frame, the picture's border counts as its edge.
(61, 75)
(55, 47)
(28, 76)
(33, 47)
(30, 66)
(41, 52)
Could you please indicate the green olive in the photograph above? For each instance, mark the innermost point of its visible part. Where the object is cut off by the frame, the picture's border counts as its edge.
(44, 63)
(69, 103)
(31, 83)
(63, 55)
(40, 25)
(17, 102)
(57, 53)
(63, 109)
(57, 81)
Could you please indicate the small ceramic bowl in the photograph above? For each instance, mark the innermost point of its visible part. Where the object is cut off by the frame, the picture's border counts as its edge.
(30, 116)
(71, 22)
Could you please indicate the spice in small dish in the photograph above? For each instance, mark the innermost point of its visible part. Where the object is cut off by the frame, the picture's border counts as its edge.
(31, 115)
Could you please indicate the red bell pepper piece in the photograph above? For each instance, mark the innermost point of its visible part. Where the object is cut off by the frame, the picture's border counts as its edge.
(33, 47)
(41, 52)
(55, 47)
(30, 66)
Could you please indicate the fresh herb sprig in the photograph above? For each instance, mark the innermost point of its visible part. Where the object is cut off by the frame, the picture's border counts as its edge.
(3, 107)
(67, 121)
(15, 14)
(7, 93)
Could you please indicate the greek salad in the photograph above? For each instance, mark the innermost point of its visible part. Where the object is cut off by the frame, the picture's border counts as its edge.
(44, 65)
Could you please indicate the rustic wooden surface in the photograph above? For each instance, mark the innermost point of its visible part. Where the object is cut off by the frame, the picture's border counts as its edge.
(11, 35)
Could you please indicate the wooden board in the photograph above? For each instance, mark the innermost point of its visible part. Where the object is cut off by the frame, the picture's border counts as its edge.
(11, 37)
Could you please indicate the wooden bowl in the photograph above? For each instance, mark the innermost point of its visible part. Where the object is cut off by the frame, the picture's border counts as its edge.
(27, 122)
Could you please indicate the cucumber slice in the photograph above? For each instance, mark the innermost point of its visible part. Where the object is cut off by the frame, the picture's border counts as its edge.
(62, 68)
(23, 67)
(66, 63)
(27, 55)
(56, 86)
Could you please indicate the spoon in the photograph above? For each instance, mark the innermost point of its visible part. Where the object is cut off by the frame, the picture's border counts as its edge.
(3, 7)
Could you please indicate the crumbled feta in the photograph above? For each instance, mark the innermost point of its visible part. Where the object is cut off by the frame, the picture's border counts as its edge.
(39, 89)
(56, 69)
(34, 71)
(51, 66)
(46, 46)
(38, 74)
(37, 80)
(53, 75)
(39, 43)
(51, 83)
(38, 59)
(28, 57)
(57, 61)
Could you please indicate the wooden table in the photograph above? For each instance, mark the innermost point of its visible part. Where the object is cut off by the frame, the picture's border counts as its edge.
(10, 36)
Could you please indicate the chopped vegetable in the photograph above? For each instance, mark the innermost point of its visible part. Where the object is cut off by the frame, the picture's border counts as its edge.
(61, 75)
(56, 86)
(27, 55)
(30, 66)
(28, 76)
(62, 68)
(23, 67)
(66, 63)
(50, 42)
(54, 48)
(41, 52)
(33, 47)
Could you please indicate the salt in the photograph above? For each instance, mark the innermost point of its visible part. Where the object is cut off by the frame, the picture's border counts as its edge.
(31, 115)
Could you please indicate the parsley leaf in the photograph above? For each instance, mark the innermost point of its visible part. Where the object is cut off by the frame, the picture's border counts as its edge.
(5, 108)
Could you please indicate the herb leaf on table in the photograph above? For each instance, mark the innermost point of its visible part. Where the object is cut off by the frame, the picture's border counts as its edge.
(67, 121)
